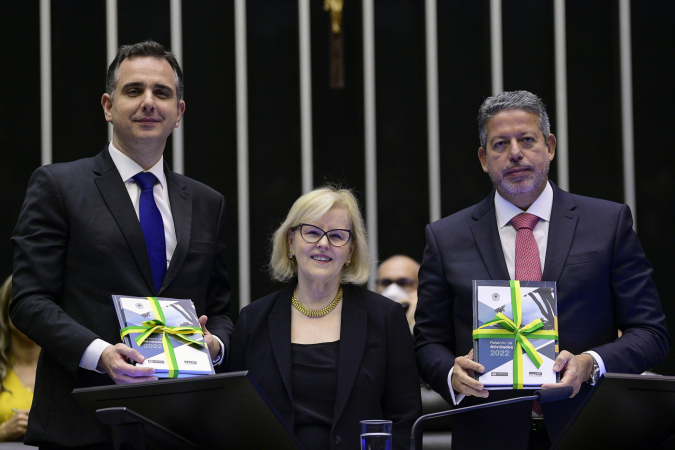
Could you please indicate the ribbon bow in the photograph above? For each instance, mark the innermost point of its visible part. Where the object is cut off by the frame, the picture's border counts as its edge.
(512, 329)
(158, 325)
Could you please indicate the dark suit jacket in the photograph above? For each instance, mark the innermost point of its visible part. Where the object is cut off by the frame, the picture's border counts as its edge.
(377, 377)
(77, 242)
(604, 284)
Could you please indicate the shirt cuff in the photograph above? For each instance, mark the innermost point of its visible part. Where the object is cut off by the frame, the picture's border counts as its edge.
(455, 398)
(601, 363)
(219, 359)
(92, 354)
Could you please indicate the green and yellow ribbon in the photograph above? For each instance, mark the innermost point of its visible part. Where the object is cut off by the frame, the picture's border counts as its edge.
(511, 329)
(158, 325)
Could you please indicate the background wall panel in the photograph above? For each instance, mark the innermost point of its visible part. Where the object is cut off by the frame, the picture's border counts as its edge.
(78, 79)
(209, 69)
(20, 115)
(653, 100)
(274, 126)
(338, 128)
(594, 99)
(464, 81)
(402, 180)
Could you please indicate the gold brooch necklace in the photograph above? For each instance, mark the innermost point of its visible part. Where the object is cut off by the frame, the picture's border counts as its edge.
(317, 312)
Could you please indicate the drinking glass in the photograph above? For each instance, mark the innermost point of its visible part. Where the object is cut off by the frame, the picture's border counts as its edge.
(376, 435)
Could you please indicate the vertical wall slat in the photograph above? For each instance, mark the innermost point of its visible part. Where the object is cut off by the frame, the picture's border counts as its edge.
(627, 108)
(112, 41)
(562, 158)
(242, 153)
(46, 80)
(370, 132)
(305, 95)
(496, 46)
(432, 111)
(177, 49)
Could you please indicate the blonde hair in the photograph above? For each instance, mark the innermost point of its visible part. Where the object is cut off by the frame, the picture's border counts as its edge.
(5, 333)
(313, 206)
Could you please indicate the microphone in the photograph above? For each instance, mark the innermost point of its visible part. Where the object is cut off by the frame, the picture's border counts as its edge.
(542, 396)
(554, 394)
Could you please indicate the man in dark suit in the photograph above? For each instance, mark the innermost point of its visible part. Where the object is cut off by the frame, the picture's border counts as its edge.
(96, 227)
(586, 245)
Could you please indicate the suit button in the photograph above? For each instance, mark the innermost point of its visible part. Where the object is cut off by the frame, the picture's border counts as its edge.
(338, 439)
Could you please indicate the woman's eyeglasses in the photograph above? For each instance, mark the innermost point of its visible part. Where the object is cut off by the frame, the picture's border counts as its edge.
(313, 234)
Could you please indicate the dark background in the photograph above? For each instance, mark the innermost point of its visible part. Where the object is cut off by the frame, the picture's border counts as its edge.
(79, 130)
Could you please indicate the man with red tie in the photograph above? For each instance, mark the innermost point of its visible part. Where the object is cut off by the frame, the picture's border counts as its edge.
(529, 229)
(122, 223)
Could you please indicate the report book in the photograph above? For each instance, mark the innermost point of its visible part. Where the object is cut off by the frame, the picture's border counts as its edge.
(166, 332)
(517, 350)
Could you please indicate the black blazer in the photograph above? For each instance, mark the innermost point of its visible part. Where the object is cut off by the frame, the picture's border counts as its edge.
(604, 284)
(377, 377)
(77, 242)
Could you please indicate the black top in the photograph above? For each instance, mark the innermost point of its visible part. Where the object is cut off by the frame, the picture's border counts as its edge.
(376, 371)
(314, 389)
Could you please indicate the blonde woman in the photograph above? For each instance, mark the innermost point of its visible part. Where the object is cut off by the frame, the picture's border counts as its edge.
(327, 352)
(18, 362)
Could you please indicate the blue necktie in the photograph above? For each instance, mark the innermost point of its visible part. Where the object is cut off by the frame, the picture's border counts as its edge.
(153, 226)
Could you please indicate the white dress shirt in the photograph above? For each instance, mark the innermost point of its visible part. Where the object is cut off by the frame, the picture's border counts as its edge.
(505, 211)
(127, 168)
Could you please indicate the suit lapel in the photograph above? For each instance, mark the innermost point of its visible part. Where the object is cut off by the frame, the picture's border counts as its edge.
(181, 210)
(560, 233)
(353, 335)
(116, 197)
(487, 238)
(279, 322)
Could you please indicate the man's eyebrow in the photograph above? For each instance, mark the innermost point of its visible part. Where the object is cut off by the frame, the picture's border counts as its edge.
(509, 135)
(154, 86)
(498, 137)
(163, 86)
(133, 84)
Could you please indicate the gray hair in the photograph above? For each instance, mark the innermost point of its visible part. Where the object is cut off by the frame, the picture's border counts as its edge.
(524, 100)
(146, 48)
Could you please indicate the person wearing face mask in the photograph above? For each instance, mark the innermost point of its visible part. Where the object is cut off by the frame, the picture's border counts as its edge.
(326, 352)
(397, 280)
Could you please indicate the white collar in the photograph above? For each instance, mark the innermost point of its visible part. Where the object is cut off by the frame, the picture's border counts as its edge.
(541, 208)
(127, 167)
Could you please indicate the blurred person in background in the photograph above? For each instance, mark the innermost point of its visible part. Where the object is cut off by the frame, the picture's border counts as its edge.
(327, 352)
(397, 280)
(18, 362)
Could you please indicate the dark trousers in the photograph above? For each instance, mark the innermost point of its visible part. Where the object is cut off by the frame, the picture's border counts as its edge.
(539, 439)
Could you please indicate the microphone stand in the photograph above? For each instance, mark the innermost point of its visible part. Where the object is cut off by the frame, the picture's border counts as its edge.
(542, 396)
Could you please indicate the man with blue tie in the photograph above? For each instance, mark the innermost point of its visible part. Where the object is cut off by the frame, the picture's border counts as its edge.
(529, 229)
(118, 223)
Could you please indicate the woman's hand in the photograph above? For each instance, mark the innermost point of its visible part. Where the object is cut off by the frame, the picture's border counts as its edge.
(15, 427)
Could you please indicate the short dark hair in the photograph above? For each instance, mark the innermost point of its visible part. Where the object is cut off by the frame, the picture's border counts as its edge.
(524, 100)
(146, 48)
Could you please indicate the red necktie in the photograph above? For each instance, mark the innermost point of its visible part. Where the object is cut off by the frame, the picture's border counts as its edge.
(528, 264)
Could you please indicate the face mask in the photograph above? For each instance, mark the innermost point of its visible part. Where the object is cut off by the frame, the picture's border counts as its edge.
(395, 292)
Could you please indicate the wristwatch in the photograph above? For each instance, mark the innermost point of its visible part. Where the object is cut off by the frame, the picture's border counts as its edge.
(595, 373)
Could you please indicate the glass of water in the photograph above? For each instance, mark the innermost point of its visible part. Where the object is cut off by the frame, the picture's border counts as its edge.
(376, 435)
